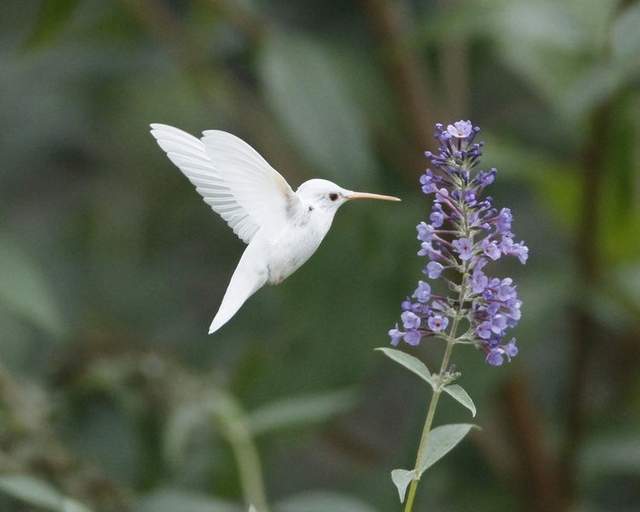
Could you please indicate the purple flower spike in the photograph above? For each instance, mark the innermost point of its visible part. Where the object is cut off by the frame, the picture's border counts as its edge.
(465, 234)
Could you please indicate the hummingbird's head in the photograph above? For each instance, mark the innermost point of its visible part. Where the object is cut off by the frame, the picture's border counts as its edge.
(329, 197)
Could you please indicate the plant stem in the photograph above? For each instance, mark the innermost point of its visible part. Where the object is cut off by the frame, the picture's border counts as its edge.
(249, 467)
(234, 426)
(451, 341)
(424, 440)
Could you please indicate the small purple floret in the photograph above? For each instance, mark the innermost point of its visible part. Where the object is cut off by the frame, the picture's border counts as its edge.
(395, 335)
(495, 357)
(464, 247)
(434, 269)
(460, 129)
(491, 249)
(412, 337)
(438, 323)
(410, 320)
(423, 292)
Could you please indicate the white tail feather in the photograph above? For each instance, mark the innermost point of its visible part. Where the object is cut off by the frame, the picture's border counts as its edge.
(245, 281)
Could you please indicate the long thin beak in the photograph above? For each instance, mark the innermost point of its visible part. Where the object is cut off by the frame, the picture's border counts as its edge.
(367, 195)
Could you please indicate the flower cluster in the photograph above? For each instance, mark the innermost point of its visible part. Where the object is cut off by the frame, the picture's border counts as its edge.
(464, 234)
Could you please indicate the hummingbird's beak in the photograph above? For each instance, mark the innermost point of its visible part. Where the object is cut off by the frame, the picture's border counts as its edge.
(367, 195)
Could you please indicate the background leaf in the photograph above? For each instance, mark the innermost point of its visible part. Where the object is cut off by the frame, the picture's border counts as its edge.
(297, 411)
(318, 501)
(173, 500)
(53, 15)
(625, 39)
(24, 289)
(304, 87)
(38, 493)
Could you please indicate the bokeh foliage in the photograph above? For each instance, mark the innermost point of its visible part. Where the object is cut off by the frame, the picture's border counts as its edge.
(112, 397)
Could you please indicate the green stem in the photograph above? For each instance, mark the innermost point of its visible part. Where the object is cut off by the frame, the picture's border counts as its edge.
(234, 426)
(249, 467)
(433, 404)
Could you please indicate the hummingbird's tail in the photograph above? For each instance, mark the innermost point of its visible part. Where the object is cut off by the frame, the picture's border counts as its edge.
(245, 281)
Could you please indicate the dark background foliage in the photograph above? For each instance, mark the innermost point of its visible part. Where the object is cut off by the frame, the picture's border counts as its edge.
(111, 267)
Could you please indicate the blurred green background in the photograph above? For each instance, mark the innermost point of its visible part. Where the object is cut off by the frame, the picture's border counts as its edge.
(111, 267)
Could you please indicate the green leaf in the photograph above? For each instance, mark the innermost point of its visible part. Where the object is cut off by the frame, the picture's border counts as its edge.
(402, 478)
(458, 393)
(409, 362)
(459, 21)
(611, 454)
(38, 493)
(591, 88)
(52, 17)
(174, 500)
(302, 410)
(625, 40)
(218, 408)
(441, 441)
(316, 501)
(306, 90)
(24, 289)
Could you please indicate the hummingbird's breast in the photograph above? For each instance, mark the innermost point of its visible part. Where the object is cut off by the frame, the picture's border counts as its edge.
(295, 245)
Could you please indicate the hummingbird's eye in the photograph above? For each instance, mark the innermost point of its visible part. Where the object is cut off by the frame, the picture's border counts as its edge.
(333, 196)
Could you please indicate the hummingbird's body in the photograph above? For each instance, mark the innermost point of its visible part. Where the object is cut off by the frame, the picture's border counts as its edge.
(297, 242)
(282, 228)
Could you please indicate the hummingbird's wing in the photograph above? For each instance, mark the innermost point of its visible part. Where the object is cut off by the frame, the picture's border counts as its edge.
(232, 178)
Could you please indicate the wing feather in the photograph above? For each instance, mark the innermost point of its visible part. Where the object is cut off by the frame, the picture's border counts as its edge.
(232, 178)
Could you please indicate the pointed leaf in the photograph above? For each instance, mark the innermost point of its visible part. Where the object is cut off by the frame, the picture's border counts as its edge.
(51, 19)
(38, 493)
(441, 441)
(319, 501)
(169, 499)
(306, 89)
(402, 478)
(24, 289)
(410, 363)
(626, 34)
(300, 410)
(458, 393)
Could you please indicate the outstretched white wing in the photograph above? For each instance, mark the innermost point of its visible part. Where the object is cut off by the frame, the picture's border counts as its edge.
(232, 178)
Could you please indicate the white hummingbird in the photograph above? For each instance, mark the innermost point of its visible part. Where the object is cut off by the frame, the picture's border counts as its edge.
(282, 228)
